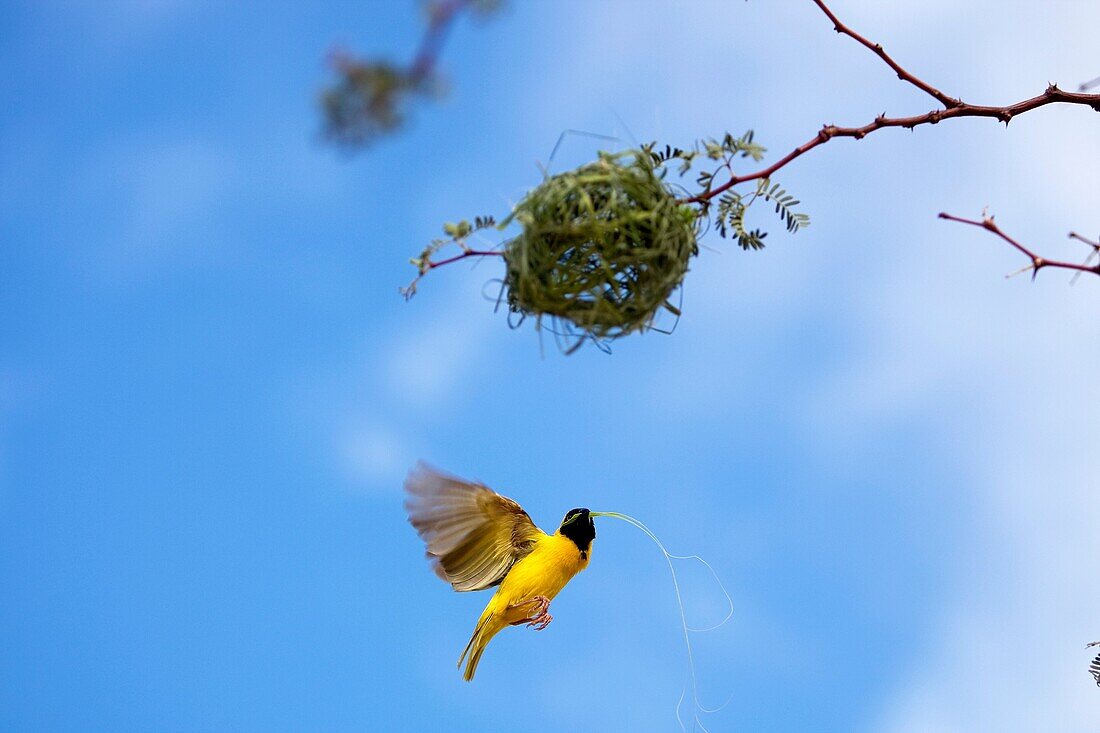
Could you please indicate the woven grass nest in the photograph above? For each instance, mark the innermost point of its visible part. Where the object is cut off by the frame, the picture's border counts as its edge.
(603, 247)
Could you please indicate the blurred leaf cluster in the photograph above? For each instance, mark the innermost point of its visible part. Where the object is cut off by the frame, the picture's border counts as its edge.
(370, 98)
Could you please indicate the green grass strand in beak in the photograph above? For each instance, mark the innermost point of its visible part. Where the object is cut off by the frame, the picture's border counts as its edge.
(669, 557)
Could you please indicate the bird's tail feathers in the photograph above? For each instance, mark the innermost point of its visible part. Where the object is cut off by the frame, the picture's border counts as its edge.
(483, 632)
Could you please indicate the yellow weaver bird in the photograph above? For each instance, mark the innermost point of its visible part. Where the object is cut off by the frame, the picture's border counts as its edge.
(478, 539)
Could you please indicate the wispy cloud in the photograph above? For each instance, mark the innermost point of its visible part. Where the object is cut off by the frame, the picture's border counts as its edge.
(425, 361)
(376, 407)
(147, 204)
(372, 454)
(114, 24)
(171, 187)
(1005, 372)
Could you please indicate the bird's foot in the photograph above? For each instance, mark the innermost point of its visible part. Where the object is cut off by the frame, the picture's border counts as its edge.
(539, 617)
(540, 622)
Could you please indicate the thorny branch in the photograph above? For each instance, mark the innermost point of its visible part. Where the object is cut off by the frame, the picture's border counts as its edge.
(877, 48)
(426, 264)
(1037, 262)
(952, 107)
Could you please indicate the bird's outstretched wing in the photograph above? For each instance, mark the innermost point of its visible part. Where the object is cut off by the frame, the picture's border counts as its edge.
(473, 534)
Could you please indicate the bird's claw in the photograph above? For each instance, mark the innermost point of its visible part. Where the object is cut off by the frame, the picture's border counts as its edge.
(540, 618)
(540, 622)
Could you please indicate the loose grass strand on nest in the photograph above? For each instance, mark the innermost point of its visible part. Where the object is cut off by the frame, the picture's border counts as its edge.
(603, 247)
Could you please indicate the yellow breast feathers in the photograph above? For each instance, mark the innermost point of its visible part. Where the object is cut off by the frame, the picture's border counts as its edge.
(552, 563)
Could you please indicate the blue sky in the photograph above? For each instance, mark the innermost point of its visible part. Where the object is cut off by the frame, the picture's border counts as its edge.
(210, 390)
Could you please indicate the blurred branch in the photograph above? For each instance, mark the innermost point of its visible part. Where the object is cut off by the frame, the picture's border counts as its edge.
(369, 97)
(440, 17)
(1094, 668)
(952, 107)
(1089, 85)
(1037, 262)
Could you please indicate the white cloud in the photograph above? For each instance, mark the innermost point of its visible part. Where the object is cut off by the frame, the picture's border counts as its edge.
(442, 339)
(1004, 370)
(373, 454)
(146, 204)
(405, 381)
(425, 363)
(171, 187)
(1008, 652)
(113, 25)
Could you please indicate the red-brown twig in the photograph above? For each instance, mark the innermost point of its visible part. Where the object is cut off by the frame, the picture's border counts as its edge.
(1095, 245)
(430, 265)
(426, 264)
(1037, 262)
(952, 107)
(904, 75)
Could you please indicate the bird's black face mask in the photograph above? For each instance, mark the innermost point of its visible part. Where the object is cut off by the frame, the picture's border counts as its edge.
(579, 527)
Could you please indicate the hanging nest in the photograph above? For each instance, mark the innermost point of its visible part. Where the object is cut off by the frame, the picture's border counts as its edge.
(603, 247)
